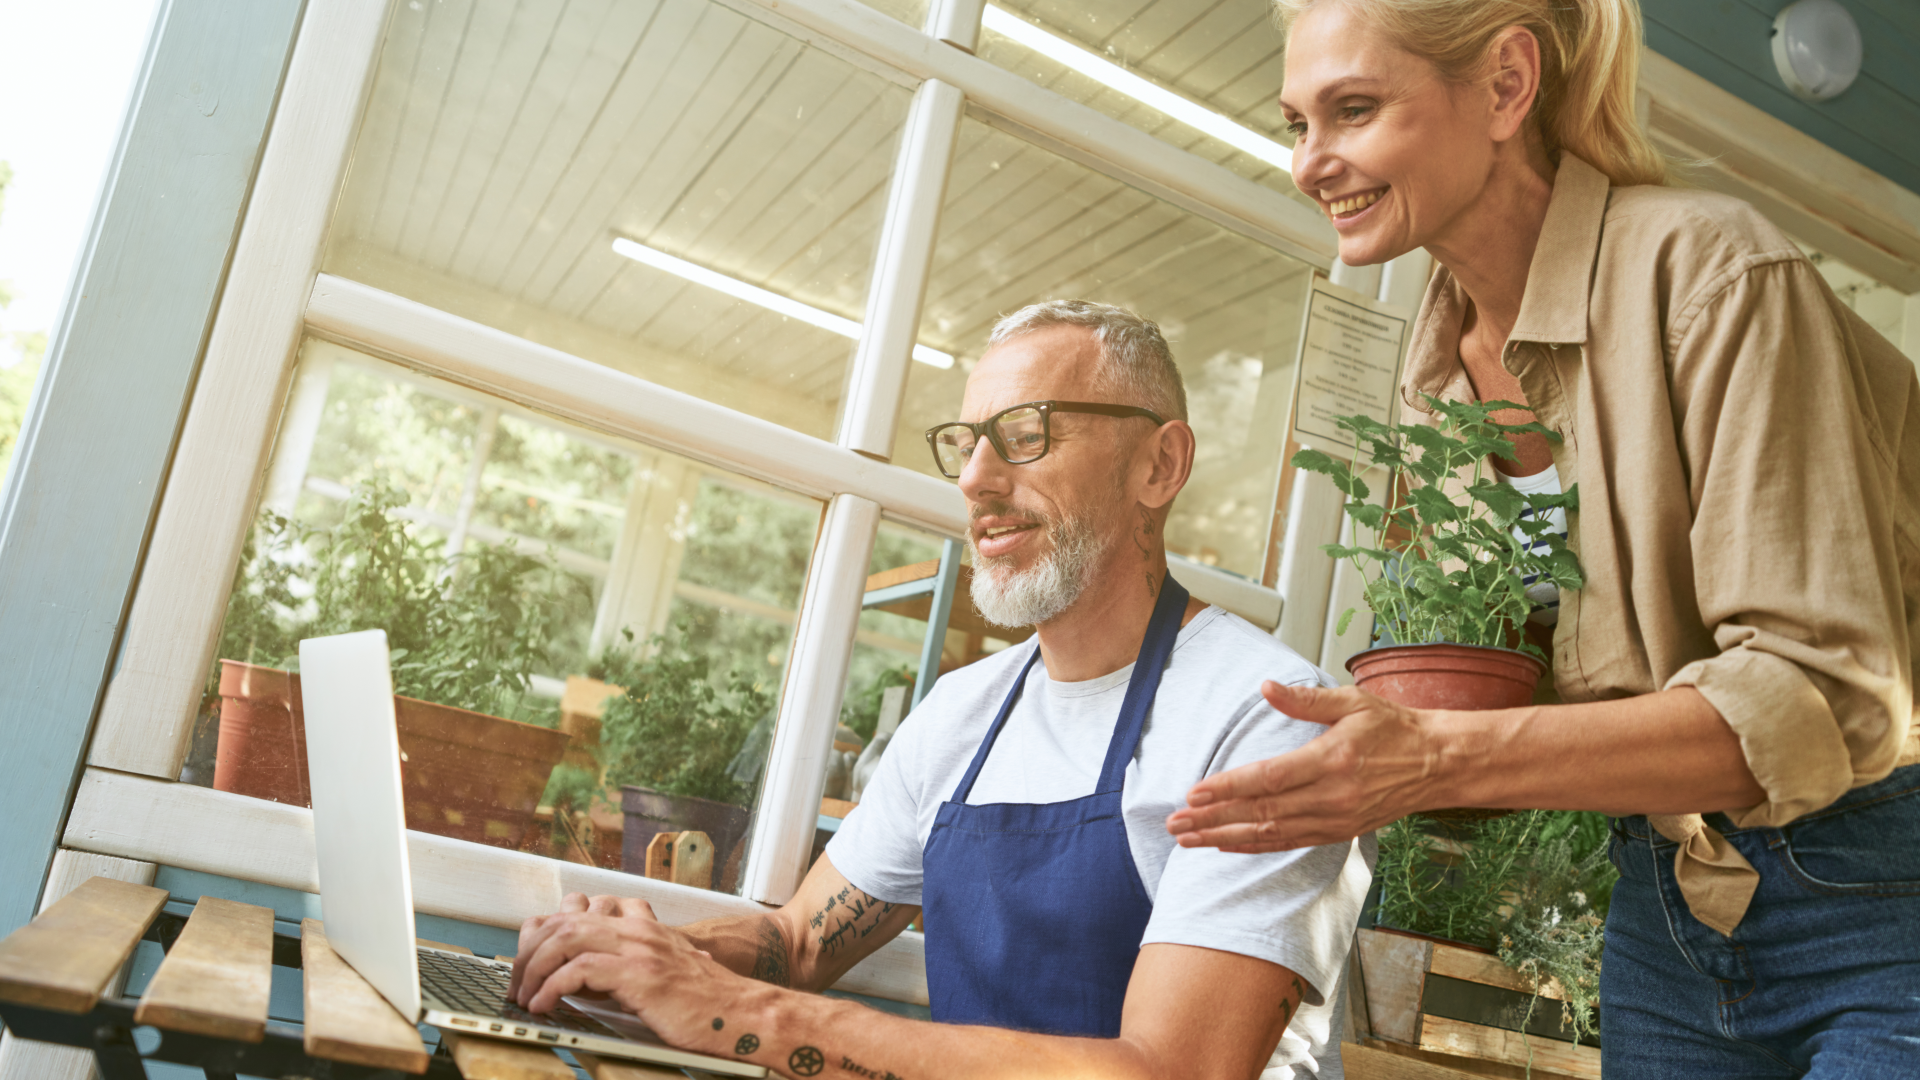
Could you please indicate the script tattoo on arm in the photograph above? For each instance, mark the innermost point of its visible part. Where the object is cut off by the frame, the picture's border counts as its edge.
(847, 1064)
(853, 913)
(770, 965)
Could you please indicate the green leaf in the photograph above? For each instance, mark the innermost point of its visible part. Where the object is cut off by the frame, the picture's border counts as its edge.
(1340, 628)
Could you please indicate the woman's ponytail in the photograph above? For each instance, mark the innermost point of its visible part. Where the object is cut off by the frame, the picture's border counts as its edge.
(1589, 66)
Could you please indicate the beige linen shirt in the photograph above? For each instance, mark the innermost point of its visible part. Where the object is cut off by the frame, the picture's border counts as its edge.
(1748, 461)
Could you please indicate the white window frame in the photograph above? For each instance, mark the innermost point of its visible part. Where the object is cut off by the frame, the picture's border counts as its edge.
(129, 803)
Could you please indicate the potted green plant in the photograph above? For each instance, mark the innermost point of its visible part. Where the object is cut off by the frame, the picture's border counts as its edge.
(1452, 553)
(682, 743)
(465, 635)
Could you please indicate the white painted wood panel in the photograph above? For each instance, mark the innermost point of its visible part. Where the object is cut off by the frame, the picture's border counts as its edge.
(216, 832)
(215, 479)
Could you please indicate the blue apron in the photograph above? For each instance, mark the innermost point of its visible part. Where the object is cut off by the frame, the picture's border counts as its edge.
(1035, 910)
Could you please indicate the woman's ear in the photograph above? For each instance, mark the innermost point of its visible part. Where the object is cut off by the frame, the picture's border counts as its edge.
(1513, 63)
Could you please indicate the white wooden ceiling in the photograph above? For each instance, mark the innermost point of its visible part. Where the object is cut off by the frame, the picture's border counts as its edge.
(508, 142)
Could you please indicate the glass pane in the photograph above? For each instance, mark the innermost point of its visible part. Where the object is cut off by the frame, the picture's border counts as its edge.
(1224, 57)
(1022, 225)
(602, 660)
(508, 147)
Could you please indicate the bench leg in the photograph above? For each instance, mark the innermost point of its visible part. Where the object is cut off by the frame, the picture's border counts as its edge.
(116, 1055)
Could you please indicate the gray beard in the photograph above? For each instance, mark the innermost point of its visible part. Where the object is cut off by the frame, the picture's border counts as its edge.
(1027, 598)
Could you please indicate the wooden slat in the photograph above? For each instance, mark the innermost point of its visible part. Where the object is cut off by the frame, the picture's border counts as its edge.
(346, 1018)
(614, 1069)
(217, 977)
(1445, 1036)
(495, 1059)
(1457, 963)
(65, 957)
(1376, 1060)
(1395, 969)
(443, 946)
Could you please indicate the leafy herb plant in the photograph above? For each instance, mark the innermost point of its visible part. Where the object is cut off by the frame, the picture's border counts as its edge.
(467, 631)
(1454, 549)
(680, 724)
(1533, 886)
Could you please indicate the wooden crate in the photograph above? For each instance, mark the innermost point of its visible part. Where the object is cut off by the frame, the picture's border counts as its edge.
(1423, 1008)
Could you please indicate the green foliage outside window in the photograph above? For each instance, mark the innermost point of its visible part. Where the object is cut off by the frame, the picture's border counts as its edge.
(467, 632)
(681, 723)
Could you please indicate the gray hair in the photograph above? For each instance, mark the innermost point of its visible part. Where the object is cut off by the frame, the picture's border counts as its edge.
(1136, 367)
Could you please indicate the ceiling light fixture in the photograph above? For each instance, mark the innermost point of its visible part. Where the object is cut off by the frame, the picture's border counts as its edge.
(1817, 48)
(754, 294)
(1112, 75)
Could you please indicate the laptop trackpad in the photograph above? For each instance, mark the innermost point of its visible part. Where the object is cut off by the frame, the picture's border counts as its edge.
(611, 1014)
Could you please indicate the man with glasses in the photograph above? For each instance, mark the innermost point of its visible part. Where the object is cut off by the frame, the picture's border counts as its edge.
(1023, 805)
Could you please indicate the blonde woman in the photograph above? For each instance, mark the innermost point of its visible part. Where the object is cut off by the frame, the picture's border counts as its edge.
(1737, 676)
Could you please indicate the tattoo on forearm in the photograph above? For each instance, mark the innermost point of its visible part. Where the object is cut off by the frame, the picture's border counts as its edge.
(770, 964)
(748, 1044)
(847, 1064)
(806, 1061)
(854, 915)
(718, 1023)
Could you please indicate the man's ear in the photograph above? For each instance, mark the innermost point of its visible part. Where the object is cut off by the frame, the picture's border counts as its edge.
(1169, 454)
(1513, 80)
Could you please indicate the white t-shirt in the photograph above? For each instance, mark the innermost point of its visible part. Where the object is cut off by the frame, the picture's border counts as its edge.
(1295, 908)
(1544, 594)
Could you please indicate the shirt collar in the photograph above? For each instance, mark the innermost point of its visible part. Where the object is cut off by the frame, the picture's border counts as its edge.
(1554, 308)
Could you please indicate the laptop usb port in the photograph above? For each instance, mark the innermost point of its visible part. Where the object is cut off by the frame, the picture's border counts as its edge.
(519, 1031)
(466, 1023)
(549, 1036)
(495, 1027)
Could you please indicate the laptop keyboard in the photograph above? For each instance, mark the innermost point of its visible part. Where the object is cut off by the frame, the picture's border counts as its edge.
(472, 985)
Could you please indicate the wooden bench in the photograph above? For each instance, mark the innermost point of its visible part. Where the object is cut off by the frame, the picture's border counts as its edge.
(209, 998)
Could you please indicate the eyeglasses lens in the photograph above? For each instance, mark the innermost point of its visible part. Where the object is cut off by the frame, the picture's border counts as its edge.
(1023, 432)
(953, 445)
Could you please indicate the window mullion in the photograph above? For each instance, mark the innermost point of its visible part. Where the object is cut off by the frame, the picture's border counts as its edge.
(879, 374)
(810, 705)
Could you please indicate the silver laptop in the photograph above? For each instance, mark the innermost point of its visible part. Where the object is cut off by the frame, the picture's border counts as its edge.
(366, 889)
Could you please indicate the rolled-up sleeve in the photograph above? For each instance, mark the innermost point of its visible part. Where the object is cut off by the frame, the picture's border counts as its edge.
(1795, 499)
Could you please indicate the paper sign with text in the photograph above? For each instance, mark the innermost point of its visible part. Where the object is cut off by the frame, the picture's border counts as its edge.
(1349, 363)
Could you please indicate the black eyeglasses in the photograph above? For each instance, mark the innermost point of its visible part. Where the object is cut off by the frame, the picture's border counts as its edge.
(1021, 435)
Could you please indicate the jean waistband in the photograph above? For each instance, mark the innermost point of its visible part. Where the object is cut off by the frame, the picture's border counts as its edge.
(1898, 782)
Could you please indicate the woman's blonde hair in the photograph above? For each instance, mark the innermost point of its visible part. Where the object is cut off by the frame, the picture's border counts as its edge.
(1589, 61)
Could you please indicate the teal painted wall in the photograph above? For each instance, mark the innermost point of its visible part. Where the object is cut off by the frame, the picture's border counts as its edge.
(93, 452)
(1876, 121)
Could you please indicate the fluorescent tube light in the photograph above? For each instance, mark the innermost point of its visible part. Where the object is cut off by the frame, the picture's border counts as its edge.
(754, 294)
(1001, 21)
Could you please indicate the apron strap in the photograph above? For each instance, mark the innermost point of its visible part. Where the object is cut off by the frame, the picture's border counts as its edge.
(1006, 709)
(1163, 630)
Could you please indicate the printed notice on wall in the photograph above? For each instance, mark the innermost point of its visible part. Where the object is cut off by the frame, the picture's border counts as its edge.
(1349, 363)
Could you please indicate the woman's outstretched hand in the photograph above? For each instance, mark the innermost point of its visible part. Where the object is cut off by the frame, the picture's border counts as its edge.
(1379, 762)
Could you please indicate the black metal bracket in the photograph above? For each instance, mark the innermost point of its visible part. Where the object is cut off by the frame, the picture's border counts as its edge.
(108, 1031)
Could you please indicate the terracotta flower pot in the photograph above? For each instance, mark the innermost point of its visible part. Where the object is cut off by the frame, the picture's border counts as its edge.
(463, 774)
(1449, 677)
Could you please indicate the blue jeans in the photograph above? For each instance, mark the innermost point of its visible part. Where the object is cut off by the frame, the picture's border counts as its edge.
(1822, 977)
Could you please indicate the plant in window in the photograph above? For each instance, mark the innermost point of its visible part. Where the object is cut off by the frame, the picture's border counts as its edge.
(672, 742)
(466, 634)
